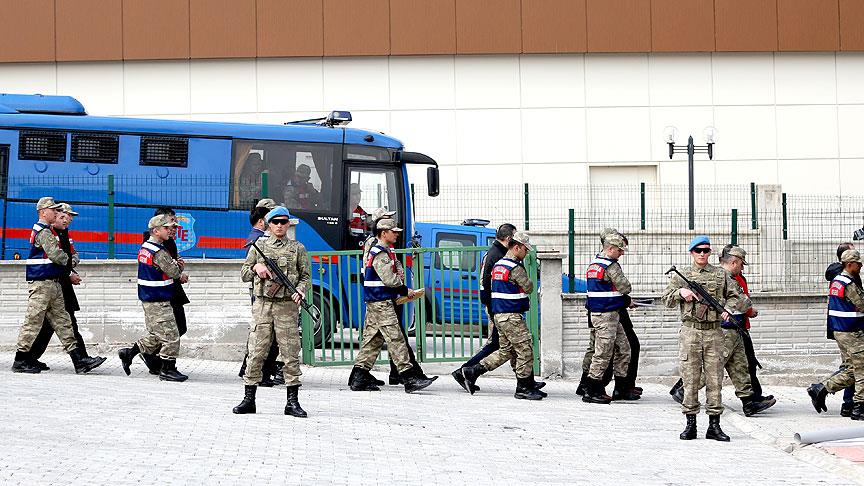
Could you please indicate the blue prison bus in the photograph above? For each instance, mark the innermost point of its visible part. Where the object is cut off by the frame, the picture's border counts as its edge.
(210, 173)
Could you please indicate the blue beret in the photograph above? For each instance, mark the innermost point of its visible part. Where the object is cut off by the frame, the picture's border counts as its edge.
(699, 240)
(276, 212)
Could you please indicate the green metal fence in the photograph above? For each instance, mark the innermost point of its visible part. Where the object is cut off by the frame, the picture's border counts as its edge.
(448, 325)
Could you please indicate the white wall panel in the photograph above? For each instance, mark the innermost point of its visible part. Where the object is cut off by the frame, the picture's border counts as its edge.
(98, 85)
(33, 78)
(288, 116)
(618, 134)
(552, 81)
(743, 78)
(432, 132)
(156, 87)
(575, 173)
(689, 120)
(356, 83)
(806, 132)
(810, 176)
(616, 80)
(483, 174)
(376, 121)
(851, 130)
(850, 77)
(805, 78)
(223, 86)
(487, 82)
(422, 83)
(680, 79)
(746, 132)
(290, 85)
(488, 137)
(553, 135)
(745, 171)
(851, 176)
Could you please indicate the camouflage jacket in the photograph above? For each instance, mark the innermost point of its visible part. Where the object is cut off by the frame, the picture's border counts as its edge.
(289, 255)
(719, 284)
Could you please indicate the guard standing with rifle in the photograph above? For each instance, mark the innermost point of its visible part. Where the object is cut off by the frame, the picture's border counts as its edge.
(698, 291)
(279, 270)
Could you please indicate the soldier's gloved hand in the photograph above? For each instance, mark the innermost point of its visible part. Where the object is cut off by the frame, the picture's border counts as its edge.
(296, 297)
(262, 271)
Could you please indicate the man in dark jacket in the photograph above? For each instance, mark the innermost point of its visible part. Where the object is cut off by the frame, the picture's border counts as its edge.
(832, 271)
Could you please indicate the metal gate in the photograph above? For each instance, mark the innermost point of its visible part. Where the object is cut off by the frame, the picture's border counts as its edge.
(448, 325)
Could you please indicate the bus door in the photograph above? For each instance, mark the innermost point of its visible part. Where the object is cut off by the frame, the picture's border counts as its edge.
(4, 184)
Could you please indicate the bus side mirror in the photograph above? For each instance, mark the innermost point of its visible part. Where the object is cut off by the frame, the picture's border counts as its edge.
(432, 181)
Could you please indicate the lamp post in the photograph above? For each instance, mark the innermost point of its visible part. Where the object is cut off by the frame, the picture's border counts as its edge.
(671, 136)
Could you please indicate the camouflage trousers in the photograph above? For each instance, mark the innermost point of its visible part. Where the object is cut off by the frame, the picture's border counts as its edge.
(514, 340)
(162, 337)
(274, 319)
(851, 372)
(608, 336)
(382, 325)
(700, 353)
(735, 362)
(45, 300)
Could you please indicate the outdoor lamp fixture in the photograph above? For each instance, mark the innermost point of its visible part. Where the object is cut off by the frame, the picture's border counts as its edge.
(670, 136)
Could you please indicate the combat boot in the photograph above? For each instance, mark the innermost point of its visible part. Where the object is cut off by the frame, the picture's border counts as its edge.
(537, 385)
(394, 380)
(248, 403)
(292, 408)
(23, 364)
(267, 382)
(169, 371)
(594, 393)
(279, 376)
(689, 432)
(678, 384)
(751, 406)
(154, 363)
(126, 355)
(857, 411)
(84, 363)
(42, 366)
(470, 375)
(714, 430)
(413, 382)
(818, 392)
(525, 389)
(583, 383)
(846, 409)
(623, 391)
(359, 380)
(677, 391)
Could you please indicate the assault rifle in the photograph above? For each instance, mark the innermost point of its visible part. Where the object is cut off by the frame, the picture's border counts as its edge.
(708, 299)
(282, 279)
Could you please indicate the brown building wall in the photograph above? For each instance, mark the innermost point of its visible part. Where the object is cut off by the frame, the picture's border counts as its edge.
(102, 30)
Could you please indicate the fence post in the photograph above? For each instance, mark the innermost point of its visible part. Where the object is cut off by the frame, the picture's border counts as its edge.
(753, 205)
(264, 185)
(420, 304)
(527, 226)
(111, 250)
(552, 315)
(734, 227)
(642, 205)
(785, 220)
(571, 236)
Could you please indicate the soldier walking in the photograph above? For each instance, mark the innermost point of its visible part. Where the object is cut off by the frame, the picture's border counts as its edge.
(735, 355)
(383, 282)
(46, 262)
(700, 339)
(68, 278)
(846, 320)
(276, 310)
(608, 290)
(156, 274)
(511, 287)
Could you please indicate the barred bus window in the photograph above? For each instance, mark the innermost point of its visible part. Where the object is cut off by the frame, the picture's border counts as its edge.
(95, 147)
(42, 145)
(165, 151)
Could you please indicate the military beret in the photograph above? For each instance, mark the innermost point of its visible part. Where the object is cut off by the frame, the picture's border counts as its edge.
(276, 212)
(699, 240)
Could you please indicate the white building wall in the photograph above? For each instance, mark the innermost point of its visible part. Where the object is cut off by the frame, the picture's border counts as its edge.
(783, 118)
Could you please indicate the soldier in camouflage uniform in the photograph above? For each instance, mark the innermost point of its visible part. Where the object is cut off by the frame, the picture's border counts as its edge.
(276, 310)
(607, 294)
(383, 282)
(156, 273)
(846, 320)
(46, 263)
(700, 338)
(735, 359)
(511, 287)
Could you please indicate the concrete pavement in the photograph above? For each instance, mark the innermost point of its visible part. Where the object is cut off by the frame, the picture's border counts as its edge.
(107, 428)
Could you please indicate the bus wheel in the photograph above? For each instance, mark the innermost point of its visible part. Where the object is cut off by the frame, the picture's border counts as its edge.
(324, 329)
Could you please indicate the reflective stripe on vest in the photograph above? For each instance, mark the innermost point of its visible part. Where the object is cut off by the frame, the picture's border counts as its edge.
(842, 314)
(602, 295)
(507, 297)
(153, 284)
(39, 266)
(374, 290)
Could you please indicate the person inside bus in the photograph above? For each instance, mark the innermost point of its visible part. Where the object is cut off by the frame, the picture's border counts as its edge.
(358, 226)
(249, 186)
(300, 193)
